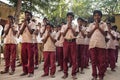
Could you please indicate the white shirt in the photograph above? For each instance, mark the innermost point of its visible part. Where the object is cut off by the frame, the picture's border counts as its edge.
(97, 38)
(110, 43)
(59, 43)
(80, 39)
(49, 45)
(69, 34)
(10, 38)
(1, 29)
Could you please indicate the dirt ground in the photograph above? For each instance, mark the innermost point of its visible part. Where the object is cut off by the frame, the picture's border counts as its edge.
(37, 75)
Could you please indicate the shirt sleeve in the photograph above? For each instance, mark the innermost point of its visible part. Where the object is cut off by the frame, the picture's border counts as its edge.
(63, 29)
(15, 27)
(6, 27)
(21, 26)
(89, 28)
(76, 28)
(105, 27)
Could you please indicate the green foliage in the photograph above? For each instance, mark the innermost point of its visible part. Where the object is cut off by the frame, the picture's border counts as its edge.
(55, 10)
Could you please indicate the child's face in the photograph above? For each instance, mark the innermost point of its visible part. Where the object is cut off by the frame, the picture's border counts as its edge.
(97, 17)
(27, 16)
(69, 18)
(109, 25)
(80, 22)
(48, 28)
(10, 20)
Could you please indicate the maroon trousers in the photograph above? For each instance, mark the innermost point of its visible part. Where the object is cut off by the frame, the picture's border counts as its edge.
(69, 50)
(10, 56)
(116, 54)
(27, 57)
(59, 53)
(111, 58)
(87, 55)
(98, 59)
(49, 62)
(35, 51)
(81, 56)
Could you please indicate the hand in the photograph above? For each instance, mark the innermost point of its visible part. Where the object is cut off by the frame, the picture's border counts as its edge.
(96, 24)
(80, 28)
(69, 25)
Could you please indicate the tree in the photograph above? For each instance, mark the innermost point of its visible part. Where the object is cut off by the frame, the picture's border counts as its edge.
(17, 11)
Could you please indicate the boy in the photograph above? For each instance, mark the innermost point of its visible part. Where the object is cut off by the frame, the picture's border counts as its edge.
(111, 47)
(59, 48)
(80, 43)
(10, 31)
(69, 45)
(49, 52)
(27, 54)
(97, 33)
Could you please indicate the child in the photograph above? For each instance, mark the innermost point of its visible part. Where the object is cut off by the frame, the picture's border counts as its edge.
(59, 48)
(26, 53)
(10, 31)
(69, 45)
(81, 45)
(49, 52)
(97, 33)
(111, 47)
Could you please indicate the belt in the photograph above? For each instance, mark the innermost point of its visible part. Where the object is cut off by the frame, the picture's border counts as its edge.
(70, 40)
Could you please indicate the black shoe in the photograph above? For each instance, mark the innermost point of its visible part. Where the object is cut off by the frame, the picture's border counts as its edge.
(81, 72)
(113, 70)
(19, 65)
(44, 75)
(94, 78)
(64, 76)
(74, 77)
(11, 73)
(52, 76)
(23, 74)
(30, 75)
(60, 70)
(36, 67)
(3, 72)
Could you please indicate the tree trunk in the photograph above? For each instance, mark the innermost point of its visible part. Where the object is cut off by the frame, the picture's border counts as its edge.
(17, 11)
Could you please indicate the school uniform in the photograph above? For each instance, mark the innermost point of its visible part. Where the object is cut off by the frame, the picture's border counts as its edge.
(81, 48)
(35, 45)
(10, 48)
(87, 54)
(111, 50)
(97, 46)
(69, 49)
(49, 55)
(27, 51)
(40, 45)
(59, 49)
(19, 48)
(116, 42)
(1, 29)
(18, 39)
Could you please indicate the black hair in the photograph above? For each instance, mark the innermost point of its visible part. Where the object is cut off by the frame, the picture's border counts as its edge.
(48, 24)
(63, 22)
(70, 13)
(108, 23)
(79, 18)
(44, 18)
(33, 20)
(114, 26)
(97, 11)
(58, 25)
(11, 17)
(28, 13)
